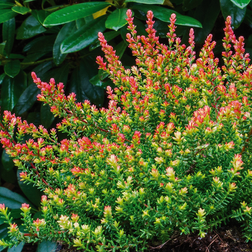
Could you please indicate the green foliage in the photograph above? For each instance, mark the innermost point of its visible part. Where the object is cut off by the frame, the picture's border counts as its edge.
(59, 38)
(171, 153)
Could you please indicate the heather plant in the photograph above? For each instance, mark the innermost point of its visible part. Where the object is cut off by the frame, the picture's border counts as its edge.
(170, 154)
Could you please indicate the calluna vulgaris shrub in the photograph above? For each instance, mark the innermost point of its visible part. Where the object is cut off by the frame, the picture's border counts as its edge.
(172, 153)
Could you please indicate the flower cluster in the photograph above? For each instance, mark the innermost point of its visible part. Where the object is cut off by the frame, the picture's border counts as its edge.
(172, 152)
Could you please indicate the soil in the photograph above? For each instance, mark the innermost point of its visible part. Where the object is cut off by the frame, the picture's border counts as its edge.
(225, 239)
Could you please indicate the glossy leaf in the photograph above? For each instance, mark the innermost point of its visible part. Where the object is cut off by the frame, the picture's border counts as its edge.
(2, 77)
(74, 12)
(6, 5)
(2, 46)
(34, 117)
(164, 15)
(108, 36)
(27, 99)
(60, 75)
(7, 161)
(16, 56)
(229, 9)
(8, 176)
(240, 3)
(191, 4)
(248, 17)
(17, 248)
(12, 68)
(8, 33)
(32, 193)
(11, 199)
(81, 85)
(47, 246)
(44, 43)
(84, 36)
(29, 96)
(31, 58)
(65, 31)
(20, 10)
(82, 21)
(146, 1)
(40, 15)
(3, 232)
(10, 92)
(97, 81)
(120, 49)
(116, 19)
(207, 19)
(6, 14)
(29, 28)
(46, 116)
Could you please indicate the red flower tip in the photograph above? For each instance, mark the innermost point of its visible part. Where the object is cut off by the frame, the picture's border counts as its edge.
(35, 78)
(129, 13)
(25, 206)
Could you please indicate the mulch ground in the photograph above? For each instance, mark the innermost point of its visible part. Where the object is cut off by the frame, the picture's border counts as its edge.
(225, 239)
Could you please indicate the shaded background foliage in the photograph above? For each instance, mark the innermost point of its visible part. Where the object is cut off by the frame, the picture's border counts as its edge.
(58, 39)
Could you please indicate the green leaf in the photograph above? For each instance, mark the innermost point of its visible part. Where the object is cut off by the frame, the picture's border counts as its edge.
(60, 75)
(206, 18)
(47, 246)
(8, 33)
(248, 18)
(6, 14)
(2, 46)
(96, 81)
(29, 96)
(108, 36)
(84, 36)
(20, 10)
(27, 99)
(8, 176)
(6, 5)
(17, 248)
(120, 49)
(74, 12)
(146, 1)
(31, 192)
(16, 56)
(12, 68)
(46, 116)
(81, 85)
(44, 43)
(34, 117)
(240, 3)
(229, 9)
(191, 4)
(10, 199)
(65, 31)
(116, 19)
(10, 92)
(32, 58)
(2, 78)
(29, 28)
(40, 15)
(81, 22)
(7, 161)
(164, 15)
(3, 232)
